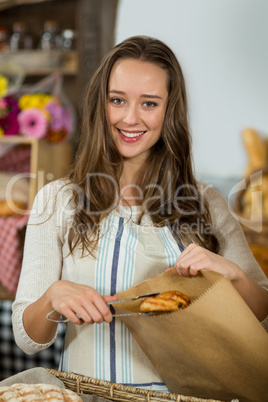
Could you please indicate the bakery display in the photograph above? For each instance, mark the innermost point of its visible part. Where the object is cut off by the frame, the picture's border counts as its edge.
(37, 392)
(257, 150)
(10, 208)
(14, 194)
(166, 301)
(256, 175)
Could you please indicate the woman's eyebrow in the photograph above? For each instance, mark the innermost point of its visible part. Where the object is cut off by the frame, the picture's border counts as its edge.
(116, 92)
(151, 96)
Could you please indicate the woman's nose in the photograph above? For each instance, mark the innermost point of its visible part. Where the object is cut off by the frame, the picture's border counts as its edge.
(132, 115)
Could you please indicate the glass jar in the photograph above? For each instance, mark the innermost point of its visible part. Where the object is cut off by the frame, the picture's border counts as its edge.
(68, 38)
(4, 45)
(20, 38)
(50, 38)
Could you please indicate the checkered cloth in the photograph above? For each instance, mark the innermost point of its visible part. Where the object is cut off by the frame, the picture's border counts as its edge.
(17, 159)
(10, 250)
(12, 359)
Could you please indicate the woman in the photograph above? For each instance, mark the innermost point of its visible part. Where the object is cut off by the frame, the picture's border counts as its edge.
(130, 210)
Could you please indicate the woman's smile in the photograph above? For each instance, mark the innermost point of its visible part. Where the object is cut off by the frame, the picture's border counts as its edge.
(131, 136)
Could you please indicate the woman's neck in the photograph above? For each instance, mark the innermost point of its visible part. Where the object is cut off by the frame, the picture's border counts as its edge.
(130, 190)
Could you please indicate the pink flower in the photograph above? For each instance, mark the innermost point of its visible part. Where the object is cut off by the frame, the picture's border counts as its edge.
(32, 123)
(56, 115)
(67, 120)
(3, 103)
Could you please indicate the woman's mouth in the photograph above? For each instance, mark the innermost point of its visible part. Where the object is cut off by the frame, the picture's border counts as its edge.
(131, 136)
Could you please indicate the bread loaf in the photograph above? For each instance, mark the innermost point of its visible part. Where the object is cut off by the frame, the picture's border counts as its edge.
(256, 150)
(11, 207)
(37, 392)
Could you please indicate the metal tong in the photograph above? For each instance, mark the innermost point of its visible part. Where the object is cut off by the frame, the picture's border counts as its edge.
(64, 320)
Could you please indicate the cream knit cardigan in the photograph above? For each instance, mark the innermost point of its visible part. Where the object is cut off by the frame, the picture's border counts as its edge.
(50, 220)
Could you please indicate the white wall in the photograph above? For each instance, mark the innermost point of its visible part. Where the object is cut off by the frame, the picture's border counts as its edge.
(222, 46)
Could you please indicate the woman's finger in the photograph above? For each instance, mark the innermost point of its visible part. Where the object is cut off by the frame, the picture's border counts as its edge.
(109, 298)
(190, 251)
(192, 262)
(186, 261)
(103, 308)
(73, 317)
(187, 250)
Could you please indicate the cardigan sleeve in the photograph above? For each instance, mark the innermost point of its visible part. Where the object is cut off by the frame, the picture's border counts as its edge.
(42, 257)
(232, 241)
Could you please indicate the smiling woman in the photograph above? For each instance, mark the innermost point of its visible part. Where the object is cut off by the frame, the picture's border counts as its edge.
(136, 108)
(130, 209)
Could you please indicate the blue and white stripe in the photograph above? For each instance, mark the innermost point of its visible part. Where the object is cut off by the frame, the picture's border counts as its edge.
(126, 255)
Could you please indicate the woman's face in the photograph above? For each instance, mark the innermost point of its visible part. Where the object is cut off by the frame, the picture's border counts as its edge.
(137, 99)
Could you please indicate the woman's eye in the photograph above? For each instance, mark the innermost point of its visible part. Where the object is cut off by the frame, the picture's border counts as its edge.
(150, 104)
(117, 101)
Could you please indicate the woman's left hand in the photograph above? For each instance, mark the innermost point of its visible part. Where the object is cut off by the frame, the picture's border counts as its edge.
(195, 258)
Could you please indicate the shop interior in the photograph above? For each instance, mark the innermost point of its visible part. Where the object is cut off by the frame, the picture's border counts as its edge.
(53, 47)
(44, 50)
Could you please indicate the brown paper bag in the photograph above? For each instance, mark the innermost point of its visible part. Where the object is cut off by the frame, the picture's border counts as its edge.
(215, 348)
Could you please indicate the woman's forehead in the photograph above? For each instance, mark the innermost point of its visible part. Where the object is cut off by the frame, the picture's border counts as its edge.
(128, 72)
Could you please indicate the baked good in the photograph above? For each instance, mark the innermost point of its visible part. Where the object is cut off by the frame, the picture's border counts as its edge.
(171, 300)
(14, 193)
(11, 207)
(151, 304)
(256, 150)
(37, 392)
(181, 298)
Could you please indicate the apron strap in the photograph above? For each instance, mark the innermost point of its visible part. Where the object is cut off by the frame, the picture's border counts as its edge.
(176, 237)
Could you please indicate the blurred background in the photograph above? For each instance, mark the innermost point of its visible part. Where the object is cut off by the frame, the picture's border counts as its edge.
(221, 46)
(49, 49)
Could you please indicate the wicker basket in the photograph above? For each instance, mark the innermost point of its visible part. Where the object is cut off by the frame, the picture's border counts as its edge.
(256, 231)
(118, 392)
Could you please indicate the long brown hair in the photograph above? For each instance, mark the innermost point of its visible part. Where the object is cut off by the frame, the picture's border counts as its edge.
(99, 165)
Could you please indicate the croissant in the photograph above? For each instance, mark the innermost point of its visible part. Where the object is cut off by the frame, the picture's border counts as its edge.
(167, 301)
(154, 304)
(179, 297)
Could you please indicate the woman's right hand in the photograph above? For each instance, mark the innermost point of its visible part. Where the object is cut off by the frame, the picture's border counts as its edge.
(79, 303)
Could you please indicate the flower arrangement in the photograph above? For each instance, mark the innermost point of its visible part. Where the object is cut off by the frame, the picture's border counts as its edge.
(3, 85)
(38, 115)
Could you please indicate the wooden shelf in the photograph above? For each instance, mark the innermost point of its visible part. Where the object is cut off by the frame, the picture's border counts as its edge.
(4, 4)
(93, 22)
(47, 71)
(38, 62)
